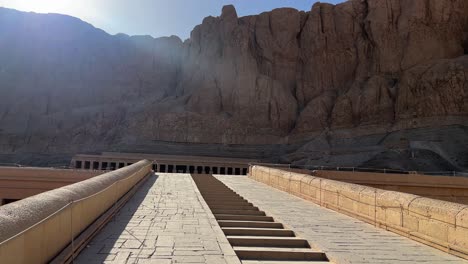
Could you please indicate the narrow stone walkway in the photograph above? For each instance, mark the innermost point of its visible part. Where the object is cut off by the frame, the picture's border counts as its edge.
(166, 221)
(342, 238)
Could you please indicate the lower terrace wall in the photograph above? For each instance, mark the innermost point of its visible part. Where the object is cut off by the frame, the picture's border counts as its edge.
(20, 182)
(440, 224)
(36, 229)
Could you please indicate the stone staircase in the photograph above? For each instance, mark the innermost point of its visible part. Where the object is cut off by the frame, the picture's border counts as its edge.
(254, 236)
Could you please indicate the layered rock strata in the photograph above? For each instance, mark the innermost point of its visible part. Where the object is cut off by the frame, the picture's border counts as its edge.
(360, 69)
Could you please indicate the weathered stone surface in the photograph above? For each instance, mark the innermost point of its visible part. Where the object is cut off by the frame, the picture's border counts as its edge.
(347, 71)
(167, 221)
(342, 238)
(439, 87)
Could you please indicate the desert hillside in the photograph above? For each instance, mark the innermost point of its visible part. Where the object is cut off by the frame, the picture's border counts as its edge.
(376, 83)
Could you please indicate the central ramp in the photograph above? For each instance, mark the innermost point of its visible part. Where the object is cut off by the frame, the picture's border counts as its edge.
(255, 237)
(165, 222)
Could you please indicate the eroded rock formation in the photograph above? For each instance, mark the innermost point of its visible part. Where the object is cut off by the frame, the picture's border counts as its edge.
(363, 68)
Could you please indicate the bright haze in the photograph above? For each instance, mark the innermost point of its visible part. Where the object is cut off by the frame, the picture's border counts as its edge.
(151, 17)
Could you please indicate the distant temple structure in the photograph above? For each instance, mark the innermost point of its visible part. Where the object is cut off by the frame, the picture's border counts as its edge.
(163, 163)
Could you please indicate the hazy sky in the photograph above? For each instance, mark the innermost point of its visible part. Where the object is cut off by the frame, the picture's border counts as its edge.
(151, 17)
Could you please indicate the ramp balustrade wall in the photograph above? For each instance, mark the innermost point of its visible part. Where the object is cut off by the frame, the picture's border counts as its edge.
(448, 188)
(36, 229)
(438, 223)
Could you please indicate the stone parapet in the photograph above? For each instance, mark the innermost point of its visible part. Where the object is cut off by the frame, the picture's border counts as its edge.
(36, 229)
(441, 224)
(448, 188)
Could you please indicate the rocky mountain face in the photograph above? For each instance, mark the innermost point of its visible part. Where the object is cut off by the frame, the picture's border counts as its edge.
(365, 82)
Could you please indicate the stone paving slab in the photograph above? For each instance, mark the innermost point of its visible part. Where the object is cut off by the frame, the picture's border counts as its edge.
(166, 221)
(344, 239)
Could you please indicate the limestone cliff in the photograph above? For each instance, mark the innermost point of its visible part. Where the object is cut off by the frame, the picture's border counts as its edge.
(390, 73)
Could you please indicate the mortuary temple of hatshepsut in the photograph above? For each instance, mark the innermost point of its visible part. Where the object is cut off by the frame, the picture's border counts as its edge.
(274, 214)
(163, 163)
(336, 133)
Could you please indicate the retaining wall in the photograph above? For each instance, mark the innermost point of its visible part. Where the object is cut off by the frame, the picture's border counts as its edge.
(22, 182)
(438, 223)
(36, 229)
(448, 188)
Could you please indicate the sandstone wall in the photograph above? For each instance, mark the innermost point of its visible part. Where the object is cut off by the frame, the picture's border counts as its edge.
(36, 229)
(441, 224)
(447, 188)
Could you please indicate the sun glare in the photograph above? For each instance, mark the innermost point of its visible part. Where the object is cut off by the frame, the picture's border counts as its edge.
(42, 6)
(82, 9)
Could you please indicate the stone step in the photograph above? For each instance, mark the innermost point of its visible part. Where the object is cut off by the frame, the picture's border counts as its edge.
(234, 207)
(237, 212)
(246, 231)
(220, 195)
(254, 236)
(215, 190)
(243, 217)
(230, 194)
(254, 224)
(230, 204)
(212, 190)
(282, 262)
(272, 253)
(215, 203)
(225, 199)
(226, 202)
(259, 241)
